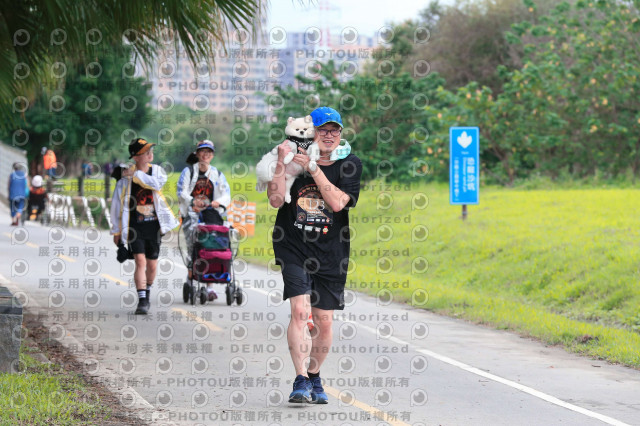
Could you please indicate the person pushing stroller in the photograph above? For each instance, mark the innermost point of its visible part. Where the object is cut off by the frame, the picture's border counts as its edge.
(37, 199)
(203, 194)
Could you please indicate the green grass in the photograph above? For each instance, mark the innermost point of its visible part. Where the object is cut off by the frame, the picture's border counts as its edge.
(557, 265)
(47, 395)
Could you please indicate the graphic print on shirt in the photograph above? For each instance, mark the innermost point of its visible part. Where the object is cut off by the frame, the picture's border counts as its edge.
(313, 214)
(203, 189)
(145, 210)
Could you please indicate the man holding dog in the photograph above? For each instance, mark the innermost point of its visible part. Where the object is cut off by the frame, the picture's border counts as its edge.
(311, 244)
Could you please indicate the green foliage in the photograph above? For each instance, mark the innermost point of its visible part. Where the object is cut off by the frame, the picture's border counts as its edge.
(178, 132)
(86, 112)
(47, 395)
(38, 33)
(467, 41)
(573, 105)
(384, 117)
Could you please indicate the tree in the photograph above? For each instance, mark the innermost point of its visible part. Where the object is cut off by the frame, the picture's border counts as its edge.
(36, 34)
(87, 113)
(178, 132)
(463, 42)
(384, 116)
(572, 107)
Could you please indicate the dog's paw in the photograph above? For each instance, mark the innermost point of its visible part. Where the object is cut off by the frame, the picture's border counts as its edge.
(313, 166)
(288, 158)
(287, 198)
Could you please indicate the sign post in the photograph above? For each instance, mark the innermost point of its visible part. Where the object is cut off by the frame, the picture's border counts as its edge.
(464, 167)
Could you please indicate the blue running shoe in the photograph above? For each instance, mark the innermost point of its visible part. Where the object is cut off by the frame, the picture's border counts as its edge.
(317, 392)
(301, 390)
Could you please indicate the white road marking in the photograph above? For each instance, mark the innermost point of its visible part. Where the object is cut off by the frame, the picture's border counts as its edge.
(498, 379)
(479, 372)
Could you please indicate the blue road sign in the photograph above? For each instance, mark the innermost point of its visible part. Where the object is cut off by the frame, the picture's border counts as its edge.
(464, 165)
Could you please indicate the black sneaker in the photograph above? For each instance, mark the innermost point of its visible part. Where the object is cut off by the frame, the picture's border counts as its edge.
(301, 390)
(143, 306)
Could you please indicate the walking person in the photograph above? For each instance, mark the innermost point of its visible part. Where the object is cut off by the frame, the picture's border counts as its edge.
(202, 190)
(141, 216)
(37, 199)
(50, 162)
(18, 192)
(311, 243)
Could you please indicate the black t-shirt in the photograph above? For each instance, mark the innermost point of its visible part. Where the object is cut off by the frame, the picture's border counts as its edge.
(308, 233)
(203, 188)
(142, 213)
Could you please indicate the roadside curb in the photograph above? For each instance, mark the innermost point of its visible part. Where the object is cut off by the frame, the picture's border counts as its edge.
(127, 395)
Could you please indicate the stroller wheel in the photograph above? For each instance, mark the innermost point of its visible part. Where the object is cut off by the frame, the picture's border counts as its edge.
(228, 291)
(186, 291)
(193, 295)
(203, 295)
(239, 296)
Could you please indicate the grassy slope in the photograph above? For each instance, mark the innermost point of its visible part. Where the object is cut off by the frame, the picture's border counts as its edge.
(556, 265)
(47, 395)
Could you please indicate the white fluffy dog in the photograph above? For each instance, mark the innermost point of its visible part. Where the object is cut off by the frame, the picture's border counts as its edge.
(300, 133)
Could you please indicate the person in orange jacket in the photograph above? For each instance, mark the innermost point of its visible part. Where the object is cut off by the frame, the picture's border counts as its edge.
(50, 163)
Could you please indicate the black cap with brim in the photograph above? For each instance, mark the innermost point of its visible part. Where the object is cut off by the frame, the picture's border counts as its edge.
(139, 146)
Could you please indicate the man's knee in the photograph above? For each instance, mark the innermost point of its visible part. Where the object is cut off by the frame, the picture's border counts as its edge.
(323, 319)
(300, 308)
(300, 313)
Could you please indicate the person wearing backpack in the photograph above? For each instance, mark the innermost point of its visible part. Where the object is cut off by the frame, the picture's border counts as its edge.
(141, 216)
(202, 191)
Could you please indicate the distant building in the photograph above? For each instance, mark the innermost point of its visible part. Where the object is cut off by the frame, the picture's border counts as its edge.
(247, 69)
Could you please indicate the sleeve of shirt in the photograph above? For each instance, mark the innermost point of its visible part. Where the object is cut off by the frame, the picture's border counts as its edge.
(350, 173)
(222, 190)
(149, 181)
(183, 186)
(116, 209)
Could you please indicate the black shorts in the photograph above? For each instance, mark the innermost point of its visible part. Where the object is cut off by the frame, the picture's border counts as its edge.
(325, 294)
(150, 246)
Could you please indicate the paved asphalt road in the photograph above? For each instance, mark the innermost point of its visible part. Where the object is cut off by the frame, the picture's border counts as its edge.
(219, 364)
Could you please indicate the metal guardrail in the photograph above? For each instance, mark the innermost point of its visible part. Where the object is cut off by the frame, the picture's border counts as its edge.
(61, 210)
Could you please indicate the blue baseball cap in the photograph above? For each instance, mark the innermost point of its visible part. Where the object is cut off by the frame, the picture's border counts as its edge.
(324, 115)
(206, 144)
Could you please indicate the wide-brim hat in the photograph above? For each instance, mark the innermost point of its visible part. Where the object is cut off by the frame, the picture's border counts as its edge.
(139, 146)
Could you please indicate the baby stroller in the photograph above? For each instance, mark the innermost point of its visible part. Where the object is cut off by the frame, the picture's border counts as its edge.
(213, 250)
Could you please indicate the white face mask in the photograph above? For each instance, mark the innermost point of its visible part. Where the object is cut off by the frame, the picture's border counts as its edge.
(341, 151)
